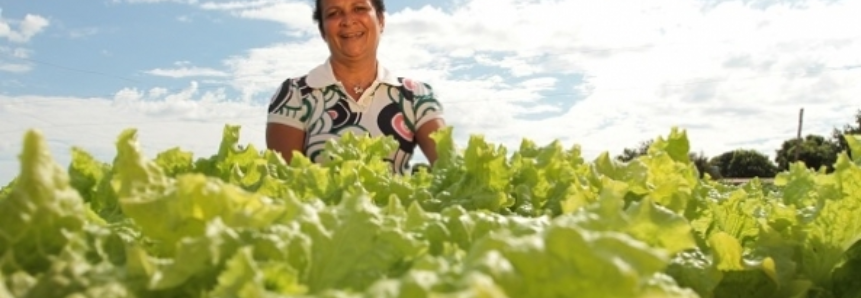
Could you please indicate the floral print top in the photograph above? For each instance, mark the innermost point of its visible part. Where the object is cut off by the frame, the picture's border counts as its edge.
(318, 104)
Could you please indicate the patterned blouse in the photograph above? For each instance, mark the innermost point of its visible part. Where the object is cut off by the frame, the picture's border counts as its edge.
(318, 104)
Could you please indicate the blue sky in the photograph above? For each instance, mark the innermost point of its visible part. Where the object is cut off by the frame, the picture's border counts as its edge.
(601, 74)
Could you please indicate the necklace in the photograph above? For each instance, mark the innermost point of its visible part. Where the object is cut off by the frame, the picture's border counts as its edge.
(358, 88)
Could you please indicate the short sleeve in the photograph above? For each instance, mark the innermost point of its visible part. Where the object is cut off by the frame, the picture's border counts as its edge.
(426, 106)
(286, 106)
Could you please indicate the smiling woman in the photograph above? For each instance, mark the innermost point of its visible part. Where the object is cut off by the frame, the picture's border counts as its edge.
(352, 92)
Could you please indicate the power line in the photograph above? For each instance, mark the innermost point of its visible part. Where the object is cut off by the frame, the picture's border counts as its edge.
(78, 69)
(128, 123)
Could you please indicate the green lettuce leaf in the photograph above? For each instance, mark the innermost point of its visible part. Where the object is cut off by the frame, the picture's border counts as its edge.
(42, 213)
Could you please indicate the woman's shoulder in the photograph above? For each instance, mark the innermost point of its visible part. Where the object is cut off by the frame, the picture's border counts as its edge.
(295, 85)
(415, 87)
(295, 81)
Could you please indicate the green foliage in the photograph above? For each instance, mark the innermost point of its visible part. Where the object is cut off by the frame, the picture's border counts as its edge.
(629, 154)
(814, 151)
(487, 221)
(699, 159)
(853, 128)
(743, 163)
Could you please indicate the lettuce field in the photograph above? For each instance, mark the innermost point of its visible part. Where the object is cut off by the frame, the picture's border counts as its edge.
(489, 221)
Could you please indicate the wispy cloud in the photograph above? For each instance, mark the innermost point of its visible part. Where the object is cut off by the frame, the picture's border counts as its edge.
(240, 5)
(294, 14)
(15, 67)
(83, 32)
(15, 52)
(185, 72)
(21, 53)
(155, 1)
(10, 60)
(19, 32)
(12, 83)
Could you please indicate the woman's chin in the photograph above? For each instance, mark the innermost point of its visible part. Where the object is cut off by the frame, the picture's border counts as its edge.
(354, 55)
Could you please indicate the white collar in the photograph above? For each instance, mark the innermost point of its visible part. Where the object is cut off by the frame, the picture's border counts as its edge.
(322, 76)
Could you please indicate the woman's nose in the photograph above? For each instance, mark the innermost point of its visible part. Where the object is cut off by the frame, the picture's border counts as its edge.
(347, 19)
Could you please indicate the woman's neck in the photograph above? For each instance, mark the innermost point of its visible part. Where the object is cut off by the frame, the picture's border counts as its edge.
(356, 72)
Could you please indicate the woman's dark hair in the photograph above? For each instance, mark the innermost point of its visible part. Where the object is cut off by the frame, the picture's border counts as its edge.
(379, 6)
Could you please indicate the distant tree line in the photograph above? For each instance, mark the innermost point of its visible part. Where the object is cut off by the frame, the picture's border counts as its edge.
(815, 151)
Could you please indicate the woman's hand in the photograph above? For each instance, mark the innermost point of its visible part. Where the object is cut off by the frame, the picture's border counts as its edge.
(284, 139)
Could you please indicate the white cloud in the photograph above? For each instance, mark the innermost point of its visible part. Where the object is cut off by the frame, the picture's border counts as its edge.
(185, 72)
(186, 104)
(27, 28)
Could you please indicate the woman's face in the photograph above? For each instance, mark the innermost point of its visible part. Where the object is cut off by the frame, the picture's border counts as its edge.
(351, 28)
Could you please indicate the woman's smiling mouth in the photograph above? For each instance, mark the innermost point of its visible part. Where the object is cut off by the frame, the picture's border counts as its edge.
(352, 35)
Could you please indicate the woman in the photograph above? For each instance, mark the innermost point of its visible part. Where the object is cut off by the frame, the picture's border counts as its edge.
(352, 92)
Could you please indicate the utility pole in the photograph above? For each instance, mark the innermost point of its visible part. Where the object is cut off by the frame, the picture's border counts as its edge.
(798, 145)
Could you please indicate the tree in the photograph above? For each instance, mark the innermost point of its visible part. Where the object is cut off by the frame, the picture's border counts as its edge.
(701, 161)
(629, 154)
(837, 134)
(742, 163)
(815, 151)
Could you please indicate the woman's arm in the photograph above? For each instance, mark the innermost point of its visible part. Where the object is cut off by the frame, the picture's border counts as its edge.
(426, 143)
(284, 140)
